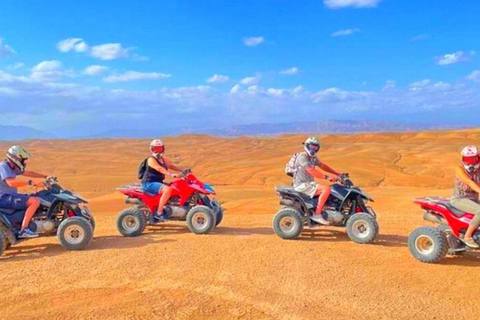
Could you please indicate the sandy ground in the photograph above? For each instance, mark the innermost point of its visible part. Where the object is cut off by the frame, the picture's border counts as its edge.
(242, 270)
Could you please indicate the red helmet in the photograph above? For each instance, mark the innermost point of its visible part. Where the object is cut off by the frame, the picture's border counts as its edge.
(157, 147)
(470, 158)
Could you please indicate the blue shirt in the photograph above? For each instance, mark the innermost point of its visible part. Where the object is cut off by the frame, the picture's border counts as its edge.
(6, 172)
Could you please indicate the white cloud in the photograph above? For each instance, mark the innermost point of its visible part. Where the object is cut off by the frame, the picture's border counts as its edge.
(253, 41)
(291, 71)
(110, 51)
(5, 50)
(95, 70)
(338, 4)
(390, 84)
(106, 51)
(236, 88)
(451, 58)
(344, 32)
(16, 66)
(474, 76)
(420, 37)
(248, 81)
(72, 44)
(135, 75)
(47, 70)
(80, 108)
(217, 78)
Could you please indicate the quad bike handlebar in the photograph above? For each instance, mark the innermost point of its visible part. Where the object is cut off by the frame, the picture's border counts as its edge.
(344, 179)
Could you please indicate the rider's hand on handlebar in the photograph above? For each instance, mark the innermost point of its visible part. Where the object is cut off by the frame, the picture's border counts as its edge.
(38, 183)
(332, 178)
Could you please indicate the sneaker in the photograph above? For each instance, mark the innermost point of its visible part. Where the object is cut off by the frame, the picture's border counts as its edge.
(320, 219)
(160, 216)
(471, 243)
(27, 233)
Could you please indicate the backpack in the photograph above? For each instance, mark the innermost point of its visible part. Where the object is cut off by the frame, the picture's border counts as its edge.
(142, 168)
(291, 168)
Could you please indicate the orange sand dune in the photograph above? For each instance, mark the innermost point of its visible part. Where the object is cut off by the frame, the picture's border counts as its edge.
(242, 270)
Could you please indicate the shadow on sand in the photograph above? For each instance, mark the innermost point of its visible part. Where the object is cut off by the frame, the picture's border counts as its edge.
(23, 251)
(329, 235)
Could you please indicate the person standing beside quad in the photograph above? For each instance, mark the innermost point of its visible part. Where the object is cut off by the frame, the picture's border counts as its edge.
(10, 168)
(304, 174)
(156, 167)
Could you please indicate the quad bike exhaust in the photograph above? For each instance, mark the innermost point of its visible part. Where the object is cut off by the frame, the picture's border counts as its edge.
(434, 218)
(129, 200)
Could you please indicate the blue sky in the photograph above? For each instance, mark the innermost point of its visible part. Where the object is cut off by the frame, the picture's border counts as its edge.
(93, 66)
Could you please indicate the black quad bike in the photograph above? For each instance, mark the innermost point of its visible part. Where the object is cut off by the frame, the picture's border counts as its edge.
(346, 207)
(61, 212)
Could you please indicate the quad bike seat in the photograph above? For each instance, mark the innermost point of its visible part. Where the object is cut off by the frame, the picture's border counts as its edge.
(147, 193)
(290, 190)
(454, 210)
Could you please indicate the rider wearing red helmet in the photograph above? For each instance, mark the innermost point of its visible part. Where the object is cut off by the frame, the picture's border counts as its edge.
(158, 167)
(467, 189)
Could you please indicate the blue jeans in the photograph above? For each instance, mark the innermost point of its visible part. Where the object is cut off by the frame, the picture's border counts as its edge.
(152, 187)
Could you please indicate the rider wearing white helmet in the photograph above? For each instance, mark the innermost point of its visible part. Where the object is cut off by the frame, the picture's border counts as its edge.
(14, 165)
(467, 189)
(304, 182)
(157, 168)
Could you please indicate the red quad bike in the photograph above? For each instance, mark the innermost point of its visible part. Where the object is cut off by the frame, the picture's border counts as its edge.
(189, 201)
(432, 244)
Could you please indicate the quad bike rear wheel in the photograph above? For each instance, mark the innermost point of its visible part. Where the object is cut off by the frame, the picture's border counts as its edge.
(131, 222)
(201, 220)
(428, 244)
(455, 246)
(287, 223)
(3, 243)
(75, 233)
(362, 228)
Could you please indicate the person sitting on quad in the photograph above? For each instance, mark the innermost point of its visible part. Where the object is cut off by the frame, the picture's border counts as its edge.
(467, 189)
(305, 172)
(157, 167)
(10, 168)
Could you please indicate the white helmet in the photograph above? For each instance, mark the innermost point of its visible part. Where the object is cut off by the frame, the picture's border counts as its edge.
(312, 146)
(470, 158)
(157, 148)
(17, 155)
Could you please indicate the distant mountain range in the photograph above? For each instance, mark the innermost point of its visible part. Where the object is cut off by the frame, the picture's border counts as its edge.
(327, 126)
(22, 133)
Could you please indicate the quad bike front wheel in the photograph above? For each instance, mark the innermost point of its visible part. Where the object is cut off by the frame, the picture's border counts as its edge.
(131, 222)
(75, 233)
(362, 228)
(287, 223)
(200, 220)
(219, 216)
(428, 244)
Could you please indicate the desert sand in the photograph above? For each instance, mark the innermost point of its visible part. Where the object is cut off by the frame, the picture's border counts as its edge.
(242, 270)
